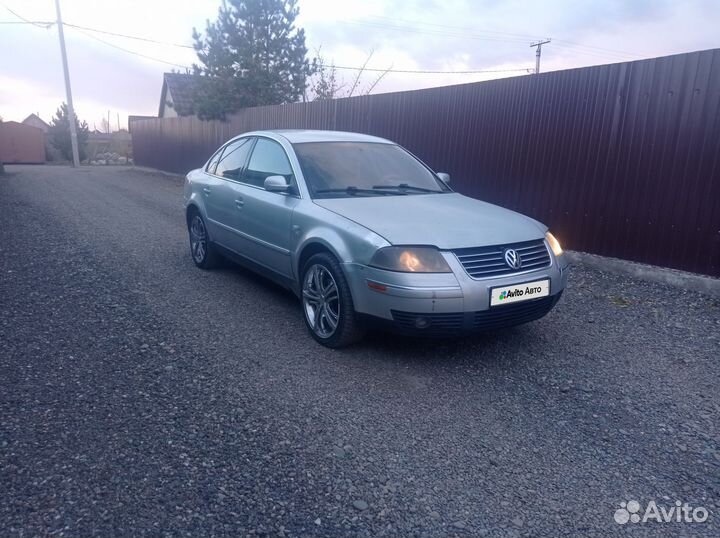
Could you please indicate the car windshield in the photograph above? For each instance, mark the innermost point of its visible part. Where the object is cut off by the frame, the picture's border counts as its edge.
(354, 169)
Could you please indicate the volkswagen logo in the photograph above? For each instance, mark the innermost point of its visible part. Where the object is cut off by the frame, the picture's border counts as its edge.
(512, 258)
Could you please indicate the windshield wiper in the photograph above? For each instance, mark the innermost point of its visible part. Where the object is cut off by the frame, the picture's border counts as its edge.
(404, 187)
(352, 190)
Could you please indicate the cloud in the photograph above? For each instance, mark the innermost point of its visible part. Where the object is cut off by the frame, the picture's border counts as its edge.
(404, 34)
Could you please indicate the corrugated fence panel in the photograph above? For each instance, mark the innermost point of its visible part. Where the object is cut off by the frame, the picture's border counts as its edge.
(621, 160)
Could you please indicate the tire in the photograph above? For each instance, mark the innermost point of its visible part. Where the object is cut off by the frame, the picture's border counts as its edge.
(320, 276)
(203, 252)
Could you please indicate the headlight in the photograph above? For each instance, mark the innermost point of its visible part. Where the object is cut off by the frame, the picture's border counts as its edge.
(410, 260)
(554, 244)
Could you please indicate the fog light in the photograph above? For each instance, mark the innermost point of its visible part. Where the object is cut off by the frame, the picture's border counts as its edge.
(422, 323)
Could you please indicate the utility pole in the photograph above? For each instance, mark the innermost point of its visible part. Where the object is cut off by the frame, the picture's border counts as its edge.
(68, 91)
(539, 45)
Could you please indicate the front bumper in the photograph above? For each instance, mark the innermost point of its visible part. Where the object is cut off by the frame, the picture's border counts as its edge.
(442, 303)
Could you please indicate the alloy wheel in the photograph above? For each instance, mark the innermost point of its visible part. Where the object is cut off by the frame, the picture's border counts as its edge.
(198, 239)
(321, 301)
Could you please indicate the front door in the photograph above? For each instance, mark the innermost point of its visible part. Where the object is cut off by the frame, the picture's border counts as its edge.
(265, 217)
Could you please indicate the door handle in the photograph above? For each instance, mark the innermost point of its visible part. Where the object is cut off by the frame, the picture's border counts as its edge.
(239, 203)
(206, 190)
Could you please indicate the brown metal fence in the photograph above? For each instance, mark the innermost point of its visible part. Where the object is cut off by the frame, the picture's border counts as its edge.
(621, 160)
(20, 143)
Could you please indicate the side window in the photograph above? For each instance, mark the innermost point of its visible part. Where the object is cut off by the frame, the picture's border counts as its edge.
(212, 163)
(268, 159)
(233, 159)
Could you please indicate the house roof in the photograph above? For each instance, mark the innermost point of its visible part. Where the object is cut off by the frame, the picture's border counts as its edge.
(182, 89)
(35, 117)
(14, 124)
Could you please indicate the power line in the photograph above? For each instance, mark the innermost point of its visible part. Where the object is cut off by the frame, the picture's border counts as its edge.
(42, 24)
(463, 32)
(428, 72)
(410, 71)
(512, 37)
(113, 45)
(434, 32)
(84, 30)
(139, 38)
(462, 28)
(516, 38)
(598, 51)
(45, 25)
(526, 36)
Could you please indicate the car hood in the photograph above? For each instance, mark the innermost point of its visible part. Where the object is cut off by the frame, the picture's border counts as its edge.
(447, 221)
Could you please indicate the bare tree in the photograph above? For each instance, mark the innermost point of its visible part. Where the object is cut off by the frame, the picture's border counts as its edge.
(377, 80)
(359, 74)
(325, 84)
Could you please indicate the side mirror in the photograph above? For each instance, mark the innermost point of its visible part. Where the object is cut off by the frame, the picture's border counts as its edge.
(444, 176)
(276, 184)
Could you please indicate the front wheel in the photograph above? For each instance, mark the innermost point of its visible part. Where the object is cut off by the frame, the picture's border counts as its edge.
(327, 303)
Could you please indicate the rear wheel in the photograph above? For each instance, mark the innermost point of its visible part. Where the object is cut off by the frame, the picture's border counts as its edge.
(202, 250)
(327, 304)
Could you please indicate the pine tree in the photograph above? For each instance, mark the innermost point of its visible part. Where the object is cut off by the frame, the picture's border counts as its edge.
(252, 55)
(59, 133)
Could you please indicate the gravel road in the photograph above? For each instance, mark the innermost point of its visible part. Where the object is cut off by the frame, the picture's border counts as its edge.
(142, 396)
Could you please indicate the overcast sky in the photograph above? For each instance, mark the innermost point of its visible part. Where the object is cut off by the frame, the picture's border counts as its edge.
(442, 35)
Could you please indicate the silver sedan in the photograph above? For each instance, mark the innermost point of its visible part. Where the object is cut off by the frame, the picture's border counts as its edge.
(366, 234)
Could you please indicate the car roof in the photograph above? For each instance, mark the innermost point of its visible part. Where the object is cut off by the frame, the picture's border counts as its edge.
(298, 136)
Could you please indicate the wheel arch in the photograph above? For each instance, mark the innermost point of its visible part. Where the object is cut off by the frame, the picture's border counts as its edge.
(194, 207)
(312, 247)
(191, 208)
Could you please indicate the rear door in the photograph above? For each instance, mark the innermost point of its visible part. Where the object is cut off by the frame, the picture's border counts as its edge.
(220, 199)
(265, 217)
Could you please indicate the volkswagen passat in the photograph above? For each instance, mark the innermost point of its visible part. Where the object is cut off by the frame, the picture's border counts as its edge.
(364, 232)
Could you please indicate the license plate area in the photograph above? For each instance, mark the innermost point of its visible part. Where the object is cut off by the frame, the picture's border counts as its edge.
(515, 293)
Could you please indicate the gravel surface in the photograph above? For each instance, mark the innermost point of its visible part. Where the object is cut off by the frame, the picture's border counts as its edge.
(142, 396)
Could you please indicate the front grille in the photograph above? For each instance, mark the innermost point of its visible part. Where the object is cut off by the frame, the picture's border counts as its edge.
(514, 314)
(482, 262)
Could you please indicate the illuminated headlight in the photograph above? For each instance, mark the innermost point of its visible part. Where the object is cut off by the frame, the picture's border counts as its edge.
(554, 244)
(410, 260)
